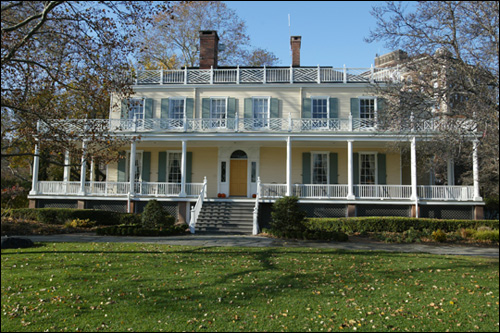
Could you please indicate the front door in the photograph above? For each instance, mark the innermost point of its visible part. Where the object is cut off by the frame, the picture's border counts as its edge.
(238, 179)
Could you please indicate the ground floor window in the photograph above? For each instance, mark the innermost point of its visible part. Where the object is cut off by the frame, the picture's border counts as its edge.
(368, 168)
(138, 167)
(174, 167)
(320, 168)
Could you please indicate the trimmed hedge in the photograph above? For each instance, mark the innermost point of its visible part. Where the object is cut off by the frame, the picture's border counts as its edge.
(393, 224)
(137, 230)
(62, 215)
(309, 235)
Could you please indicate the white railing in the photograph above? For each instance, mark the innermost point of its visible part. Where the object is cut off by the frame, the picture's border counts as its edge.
(195, 211)
(266, 75)
(452, 193)
(51, 187)
(237, 124)
(320, 191)
(272, 191)
(107, 188)
(383, 191)
(255, 228)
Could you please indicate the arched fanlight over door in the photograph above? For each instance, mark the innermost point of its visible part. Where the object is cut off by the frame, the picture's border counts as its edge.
(239, 154)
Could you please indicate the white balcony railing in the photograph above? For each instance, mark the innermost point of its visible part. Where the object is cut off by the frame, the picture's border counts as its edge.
(237, 124)
(266, 75)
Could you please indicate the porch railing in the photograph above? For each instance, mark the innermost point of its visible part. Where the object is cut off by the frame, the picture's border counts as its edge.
(266, 75)
(195, 211)
(237, 124)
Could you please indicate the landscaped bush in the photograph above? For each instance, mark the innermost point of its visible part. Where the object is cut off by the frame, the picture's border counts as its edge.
(154, 217)
(137, 230)
(439, 236)
(79, 223)
(394, 224)
(309, 235)
(287, 216)
(62, 215)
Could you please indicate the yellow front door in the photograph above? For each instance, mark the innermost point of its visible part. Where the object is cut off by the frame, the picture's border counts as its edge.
(238, 179)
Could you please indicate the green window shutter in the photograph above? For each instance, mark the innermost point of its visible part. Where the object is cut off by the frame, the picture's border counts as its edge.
(334, 162)
(382, 169)
(248, 112)
(162, 167)
(146, 166)
(306, 168)
(189, 166)
(380, 104)
(334, 107)
(189, 110)
(231, 108)
(122, 167)
(148, 108)
(124, 109)
(355, 107)
(306, 108)
(355, 166)
(205, 108)
(275, 103)
(164, 108)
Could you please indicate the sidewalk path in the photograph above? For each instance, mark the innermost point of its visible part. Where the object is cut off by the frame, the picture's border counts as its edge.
(207, 240)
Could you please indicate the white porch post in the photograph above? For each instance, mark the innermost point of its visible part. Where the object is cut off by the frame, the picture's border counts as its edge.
(83, 168)
(350, 172)
(67, 168)
(132, 168)
(36, 167)
(413, 168)
(414, 194)
(183, 169)
(289, 166)
(475, 170)
(451, 171)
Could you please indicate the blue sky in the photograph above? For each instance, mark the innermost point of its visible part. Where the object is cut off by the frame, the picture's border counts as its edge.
(332, 31)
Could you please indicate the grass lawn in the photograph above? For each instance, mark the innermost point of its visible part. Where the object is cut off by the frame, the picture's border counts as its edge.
(143, 287)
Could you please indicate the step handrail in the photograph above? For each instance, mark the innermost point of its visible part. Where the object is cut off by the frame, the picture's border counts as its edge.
(255, 229)
(195, 211)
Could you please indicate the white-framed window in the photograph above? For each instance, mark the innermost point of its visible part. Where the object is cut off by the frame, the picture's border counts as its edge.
(368, 168)
(320, 111)
(218, 112)
(319, 168)
(260, 110)
(136, 108)
(174, 170)
(367, 108)
(176, 111)
(138, 166)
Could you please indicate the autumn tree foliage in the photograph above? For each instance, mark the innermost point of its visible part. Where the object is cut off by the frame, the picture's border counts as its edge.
(173, 40)
(451, 73)
(62, 60)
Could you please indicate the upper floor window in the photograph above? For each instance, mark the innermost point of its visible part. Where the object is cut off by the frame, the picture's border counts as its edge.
(367, 108)
(319, 107)
(136, 108)
(176, 108)
(261, 111)
(218, 111)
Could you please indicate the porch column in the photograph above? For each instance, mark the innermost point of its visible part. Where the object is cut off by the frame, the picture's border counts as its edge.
(350, 172)
(67, 168)
(451, 171)
(36, 167)
(83, 168)
(413, 168)
(475, 170)
(132, 168)
(183, 169)
(289, 166)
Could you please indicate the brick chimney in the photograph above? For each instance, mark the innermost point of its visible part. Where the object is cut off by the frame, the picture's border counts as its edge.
(295, 45)
(209, 48)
